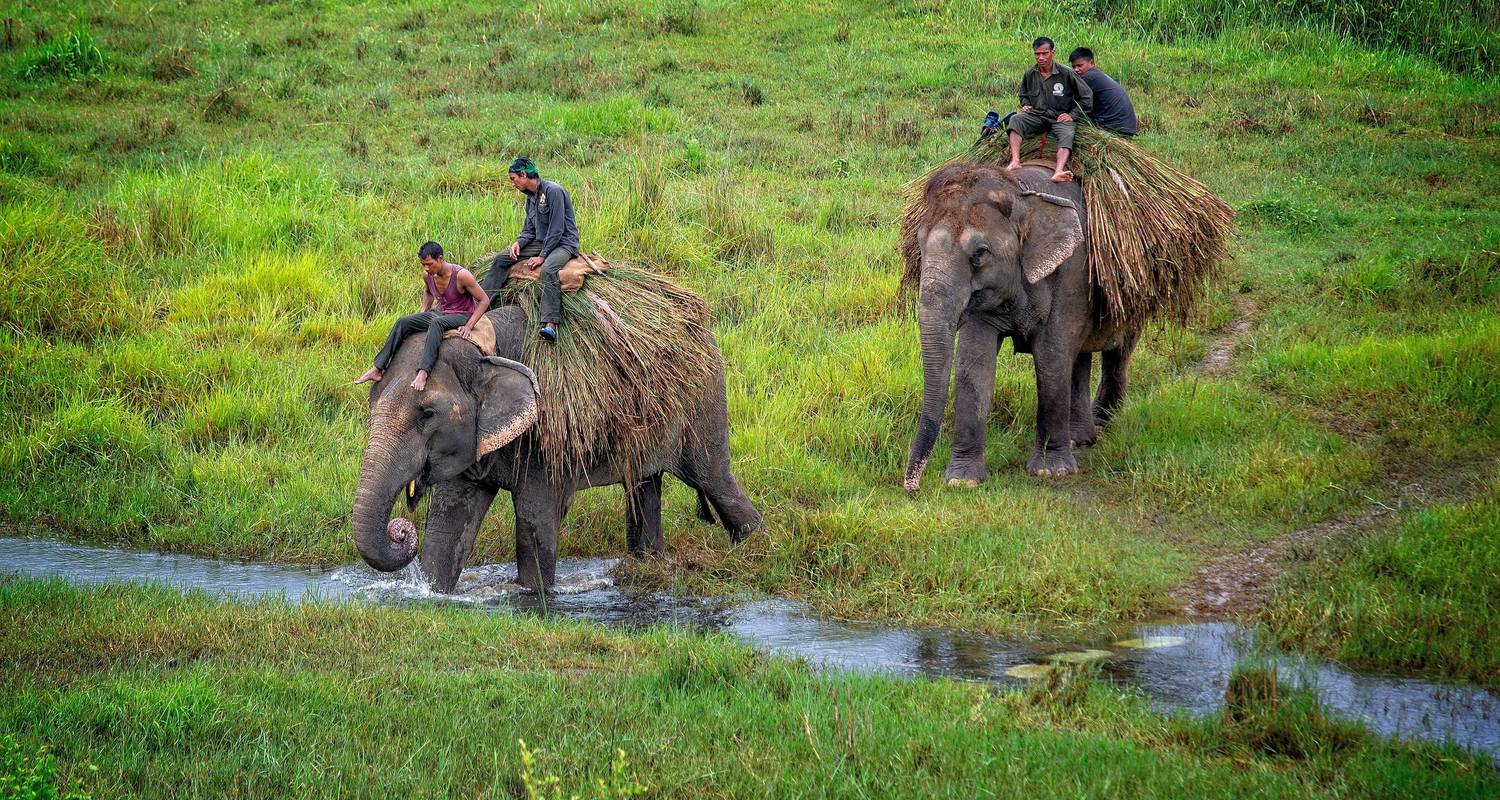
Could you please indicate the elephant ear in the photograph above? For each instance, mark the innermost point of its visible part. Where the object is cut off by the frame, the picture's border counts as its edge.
(507, 395)
(1051, 233)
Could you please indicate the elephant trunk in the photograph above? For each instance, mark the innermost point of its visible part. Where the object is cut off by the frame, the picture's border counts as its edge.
(938, 308)
(382, 475)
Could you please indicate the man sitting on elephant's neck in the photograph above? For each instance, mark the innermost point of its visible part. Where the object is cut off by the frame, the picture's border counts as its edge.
(1049, 96)
(460, 301)
(549, 239)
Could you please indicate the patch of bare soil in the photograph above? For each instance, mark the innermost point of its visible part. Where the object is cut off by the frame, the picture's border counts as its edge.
(1221, 356)
(1237, 584)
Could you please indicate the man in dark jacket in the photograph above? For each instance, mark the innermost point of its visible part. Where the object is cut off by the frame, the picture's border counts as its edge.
(1049, 97)
(549, 239)
(1112, 107)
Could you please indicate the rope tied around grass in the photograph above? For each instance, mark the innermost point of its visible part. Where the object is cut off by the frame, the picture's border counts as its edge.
(632, 355)
(1156, 235)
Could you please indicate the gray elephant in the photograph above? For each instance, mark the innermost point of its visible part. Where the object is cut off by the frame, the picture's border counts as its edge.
(1000, 259)
(466, 437)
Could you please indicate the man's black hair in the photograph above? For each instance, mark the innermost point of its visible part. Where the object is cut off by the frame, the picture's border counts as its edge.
(430, 250)
(1042, 40)
(525, 166)
(1080, 52)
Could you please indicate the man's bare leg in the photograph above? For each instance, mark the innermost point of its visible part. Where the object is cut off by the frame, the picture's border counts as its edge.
(1015, 151)
(1062, 174)
(421, 382)
(373, 376)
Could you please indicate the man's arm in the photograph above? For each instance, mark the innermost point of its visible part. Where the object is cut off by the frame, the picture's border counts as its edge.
(1025, 102)
(528, 229)
(1085, 94)
(427, 300)
(467, 283)
(555, 223)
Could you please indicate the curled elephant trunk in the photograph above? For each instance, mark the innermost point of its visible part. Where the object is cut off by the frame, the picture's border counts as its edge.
(938, 308)
(385, 544)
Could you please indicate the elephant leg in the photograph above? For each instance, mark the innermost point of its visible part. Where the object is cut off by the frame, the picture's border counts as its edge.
(1054, 392)
(539, 508)
(643, 517)
(705, 513)
(703, 463)
(1081, 424)
(458, 507)
(974, 389)
(1113, 379)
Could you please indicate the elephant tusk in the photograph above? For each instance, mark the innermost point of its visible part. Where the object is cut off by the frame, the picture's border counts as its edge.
(411, 489)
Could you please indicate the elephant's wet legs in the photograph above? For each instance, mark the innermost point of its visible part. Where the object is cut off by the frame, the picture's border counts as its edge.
(1054, 390)
(1113, 379)
(539, 511)
(978, 346)
(643, 517)
(1081, 427)
(458, 507)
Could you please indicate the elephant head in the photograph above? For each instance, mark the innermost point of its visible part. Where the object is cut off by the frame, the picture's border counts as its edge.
(471, 406)
(988, 244)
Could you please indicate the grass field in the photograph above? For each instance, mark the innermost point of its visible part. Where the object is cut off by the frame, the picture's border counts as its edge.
(144, 692)
(209, 213)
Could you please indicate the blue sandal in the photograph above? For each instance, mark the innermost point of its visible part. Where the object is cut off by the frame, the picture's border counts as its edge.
(547, 333)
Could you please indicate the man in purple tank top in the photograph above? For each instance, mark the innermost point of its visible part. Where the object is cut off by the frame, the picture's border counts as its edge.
(460, 302)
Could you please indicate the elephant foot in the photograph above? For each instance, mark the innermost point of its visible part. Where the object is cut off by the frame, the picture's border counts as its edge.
(1086, 436)
(743, 532)
(967, 473)
(1052, 464)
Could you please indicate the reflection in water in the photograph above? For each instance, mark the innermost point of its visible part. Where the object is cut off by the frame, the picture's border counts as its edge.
(1177, 666)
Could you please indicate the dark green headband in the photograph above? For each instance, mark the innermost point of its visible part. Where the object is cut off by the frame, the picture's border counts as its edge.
(525, 166)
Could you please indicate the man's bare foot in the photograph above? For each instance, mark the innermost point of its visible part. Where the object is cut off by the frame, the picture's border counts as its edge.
(421, 382)
(1013, 166)
(1062, 177)
(373, 376)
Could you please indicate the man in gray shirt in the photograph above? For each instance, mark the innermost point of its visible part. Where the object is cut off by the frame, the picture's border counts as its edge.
(1049, 96)
(1112, 108)
(549, 239)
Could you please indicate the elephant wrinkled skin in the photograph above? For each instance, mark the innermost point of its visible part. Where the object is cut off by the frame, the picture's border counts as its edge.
(1004, 255)
(470, 434)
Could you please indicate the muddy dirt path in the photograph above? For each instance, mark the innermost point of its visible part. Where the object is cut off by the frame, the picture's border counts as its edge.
(1220, 358)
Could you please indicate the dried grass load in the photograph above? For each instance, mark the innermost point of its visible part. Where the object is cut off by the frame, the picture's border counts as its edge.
(1156, 235)
(633, 352)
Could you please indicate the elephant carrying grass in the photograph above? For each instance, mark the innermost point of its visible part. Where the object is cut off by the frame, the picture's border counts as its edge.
(473, 432)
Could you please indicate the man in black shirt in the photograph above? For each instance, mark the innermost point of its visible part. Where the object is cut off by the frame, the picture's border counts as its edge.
(549, 238)
(1112, 108)
(1049, 96)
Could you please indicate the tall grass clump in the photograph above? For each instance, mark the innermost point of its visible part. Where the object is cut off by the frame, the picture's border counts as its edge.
(1461, 34)
(74, 56)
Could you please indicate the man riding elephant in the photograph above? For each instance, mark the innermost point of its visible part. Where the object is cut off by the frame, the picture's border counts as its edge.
(549, 238)
(1049, 96)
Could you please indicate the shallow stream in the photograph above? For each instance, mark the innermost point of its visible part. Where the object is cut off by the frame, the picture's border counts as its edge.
(1178, 666)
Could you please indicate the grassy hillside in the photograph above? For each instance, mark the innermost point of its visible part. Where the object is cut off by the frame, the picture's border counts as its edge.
(210, 211)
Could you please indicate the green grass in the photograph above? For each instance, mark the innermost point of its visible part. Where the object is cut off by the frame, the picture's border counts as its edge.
(1418, 596)
(206, 241)
(142, 691)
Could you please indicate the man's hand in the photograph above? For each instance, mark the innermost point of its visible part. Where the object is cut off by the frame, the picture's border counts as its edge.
(515, 250)
(1065, 117)
(1025, 109)
(532, 263)
(463, 333)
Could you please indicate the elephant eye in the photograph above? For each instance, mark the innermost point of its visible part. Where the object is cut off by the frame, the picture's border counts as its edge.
(428, 412)
(980, 254)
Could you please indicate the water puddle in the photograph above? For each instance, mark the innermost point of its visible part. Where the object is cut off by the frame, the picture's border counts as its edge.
(1178, 666)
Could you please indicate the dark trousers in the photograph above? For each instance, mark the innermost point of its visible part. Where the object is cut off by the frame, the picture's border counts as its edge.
(551, 284)
(434, 323)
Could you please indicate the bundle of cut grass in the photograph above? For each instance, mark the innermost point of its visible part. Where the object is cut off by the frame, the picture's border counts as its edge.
(632, 353)
(1156, 235)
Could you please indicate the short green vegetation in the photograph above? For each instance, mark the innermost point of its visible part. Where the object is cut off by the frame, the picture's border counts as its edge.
(1422, 595)
(206, 240)
(184, 697)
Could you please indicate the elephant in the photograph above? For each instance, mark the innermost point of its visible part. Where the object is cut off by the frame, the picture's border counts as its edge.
(470, 434)
(1000, 259)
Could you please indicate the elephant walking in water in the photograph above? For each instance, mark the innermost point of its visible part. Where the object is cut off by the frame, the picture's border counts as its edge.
(1001, 259)
(466, 438)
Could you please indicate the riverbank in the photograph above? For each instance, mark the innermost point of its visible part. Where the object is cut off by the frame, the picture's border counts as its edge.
(166, 694)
